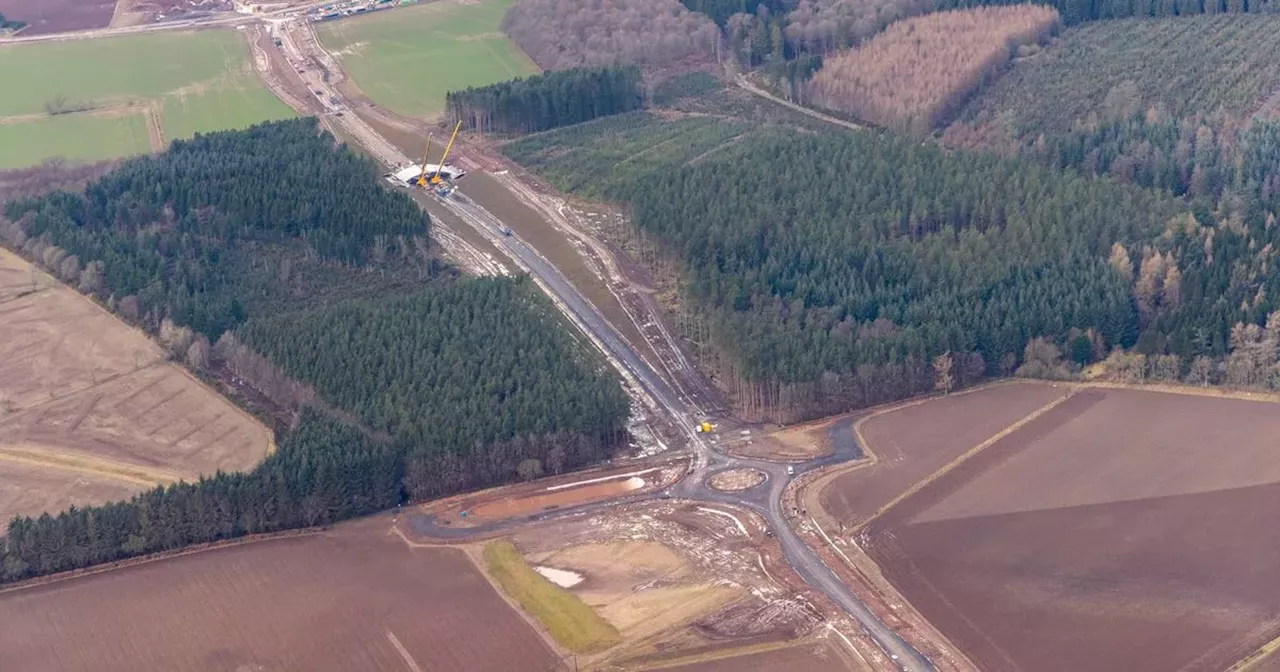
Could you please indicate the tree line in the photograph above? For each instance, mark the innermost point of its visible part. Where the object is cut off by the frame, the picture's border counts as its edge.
(10, 24)
(183, 234)
(391, 384)
(832, 270)
(1078, 11)
(551, 100)
(561, 34)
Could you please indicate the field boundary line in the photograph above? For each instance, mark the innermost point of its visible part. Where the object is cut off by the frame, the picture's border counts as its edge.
(1210, 391)
(810, 491)
(725, 654)
(883, 588)
(920, 485)
(473, 553)
(404, 653)
(832, 628)
(1256, 656)
(94, 466)
(126, 563)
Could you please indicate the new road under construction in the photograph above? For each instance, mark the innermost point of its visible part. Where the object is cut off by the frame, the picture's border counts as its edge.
(308, 78)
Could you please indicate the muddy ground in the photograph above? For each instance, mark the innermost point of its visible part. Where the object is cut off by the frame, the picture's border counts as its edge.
(1119, 530)
(58, 16)
(917, 439)
(679, 580)
(380, 604)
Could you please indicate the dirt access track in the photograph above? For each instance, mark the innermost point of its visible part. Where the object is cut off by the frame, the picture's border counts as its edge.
(91, 412)
(350, 598)
(1115, 529)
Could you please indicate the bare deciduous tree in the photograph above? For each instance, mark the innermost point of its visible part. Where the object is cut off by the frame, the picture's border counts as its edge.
(942, 379)
(561, 34)
(914, 73)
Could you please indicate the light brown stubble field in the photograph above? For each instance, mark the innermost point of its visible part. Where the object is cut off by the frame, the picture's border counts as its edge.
(90, 410)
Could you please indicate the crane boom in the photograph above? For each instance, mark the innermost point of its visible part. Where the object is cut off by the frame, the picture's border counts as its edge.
(435, 179)
(422, 179)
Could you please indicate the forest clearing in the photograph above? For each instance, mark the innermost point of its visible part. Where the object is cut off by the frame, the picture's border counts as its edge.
(1103, 72)
(89, 100)
(1114, 529)
(90, 411)
(407, 60)
(381, 604)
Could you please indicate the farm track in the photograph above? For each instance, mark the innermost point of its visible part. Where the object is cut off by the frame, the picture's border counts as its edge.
(649, 388)
(86, 464)
(672, 397)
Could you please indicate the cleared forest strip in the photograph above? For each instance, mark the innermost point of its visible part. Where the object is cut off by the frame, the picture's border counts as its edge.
(42, 457)
(747, 86)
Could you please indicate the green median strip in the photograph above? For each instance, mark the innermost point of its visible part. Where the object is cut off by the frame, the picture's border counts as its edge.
(573, 624)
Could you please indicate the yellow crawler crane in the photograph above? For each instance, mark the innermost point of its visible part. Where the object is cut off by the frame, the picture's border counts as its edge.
(422, 179)
(436, 179)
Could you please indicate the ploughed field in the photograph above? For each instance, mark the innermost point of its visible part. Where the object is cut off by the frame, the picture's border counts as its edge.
(1116, 530)
(351, 598)
(55, 16)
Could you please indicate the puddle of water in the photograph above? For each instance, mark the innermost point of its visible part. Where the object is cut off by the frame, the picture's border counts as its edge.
(561, 577)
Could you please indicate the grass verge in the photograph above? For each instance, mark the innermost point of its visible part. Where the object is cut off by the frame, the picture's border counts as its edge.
(572, 623)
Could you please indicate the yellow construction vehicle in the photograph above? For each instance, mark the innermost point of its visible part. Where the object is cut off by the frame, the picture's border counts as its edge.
(422, 179)
(437, 178)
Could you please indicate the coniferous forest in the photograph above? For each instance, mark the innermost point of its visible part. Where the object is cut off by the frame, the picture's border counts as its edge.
(399, 380)
(827, 271)
(527, 105)
(198, 233)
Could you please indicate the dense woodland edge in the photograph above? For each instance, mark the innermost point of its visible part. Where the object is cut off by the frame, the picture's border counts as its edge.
(215, 250)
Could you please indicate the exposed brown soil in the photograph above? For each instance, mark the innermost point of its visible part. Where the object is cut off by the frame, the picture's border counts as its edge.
(494, 504)
(916, 440)
(737, 480)
(57, 16)
(516, 506)
(353, 598)
(680, 581)
(817, 657)
(799, 442)
(1119, 530)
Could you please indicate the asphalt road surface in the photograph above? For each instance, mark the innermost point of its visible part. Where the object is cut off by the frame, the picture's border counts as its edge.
(765, 499)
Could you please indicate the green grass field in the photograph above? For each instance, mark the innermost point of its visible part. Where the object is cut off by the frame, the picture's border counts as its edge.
(407, 59)
(72, 137)
(573, 624)
(198, 81)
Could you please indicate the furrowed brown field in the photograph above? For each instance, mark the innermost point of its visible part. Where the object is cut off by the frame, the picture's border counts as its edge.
(916, 440)
(56, 16)
(822, 657)
(91, 411)
(1118, 530)
(352, 598)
